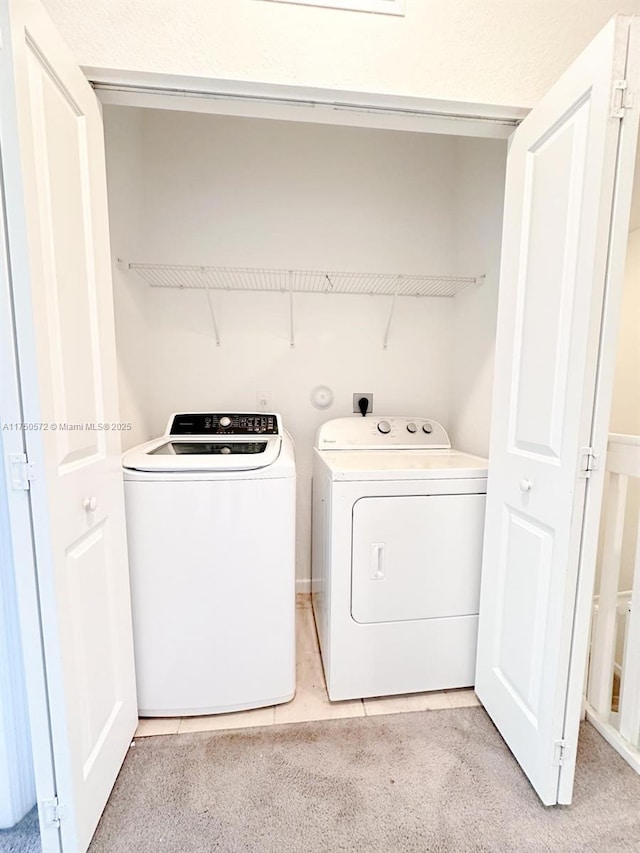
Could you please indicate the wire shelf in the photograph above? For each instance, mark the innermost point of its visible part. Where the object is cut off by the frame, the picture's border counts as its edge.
(299, 281)
(208, 279)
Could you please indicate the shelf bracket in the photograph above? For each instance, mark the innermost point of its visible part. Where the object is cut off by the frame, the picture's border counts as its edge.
(292, 340)
(211, 309)
(385, 343)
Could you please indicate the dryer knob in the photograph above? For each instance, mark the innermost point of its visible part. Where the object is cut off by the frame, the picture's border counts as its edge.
(427, 428)
(412, 427)
(384, 427)
(225, 422)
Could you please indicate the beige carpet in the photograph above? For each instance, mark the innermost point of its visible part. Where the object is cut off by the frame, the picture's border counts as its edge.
(22, 838)
(425, 781)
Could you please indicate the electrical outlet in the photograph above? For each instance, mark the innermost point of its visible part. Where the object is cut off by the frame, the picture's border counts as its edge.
(264, 401)
(356, 407)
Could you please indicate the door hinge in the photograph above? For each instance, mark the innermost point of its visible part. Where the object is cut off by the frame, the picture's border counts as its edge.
(22, 471)
(621, 99)
(52, 811)
(588, 461)
(560, 749)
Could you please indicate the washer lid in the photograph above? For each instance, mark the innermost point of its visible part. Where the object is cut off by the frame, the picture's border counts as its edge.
(360, 465)
(204, 453)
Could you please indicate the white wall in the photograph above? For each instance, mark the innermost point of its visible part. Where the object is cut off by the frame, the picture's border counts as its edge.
(479, 203)
(491, 51)
(625, 405)
(124, 156)
(244, 192)
(625, 411)
(634, 223)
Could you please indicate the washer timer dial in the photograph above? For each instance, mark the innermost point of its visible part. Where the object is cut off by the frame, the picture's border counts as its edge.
(384, 427)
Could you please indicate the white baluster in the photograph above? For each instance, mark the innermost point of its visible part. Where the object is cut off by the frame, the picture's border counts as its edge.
(630, 681)
(604, 638)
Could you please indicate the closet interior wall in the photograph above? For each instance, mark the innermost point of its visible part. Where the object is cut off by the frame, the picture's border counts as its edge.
(189, 188)
(124, 161)
(479, 199)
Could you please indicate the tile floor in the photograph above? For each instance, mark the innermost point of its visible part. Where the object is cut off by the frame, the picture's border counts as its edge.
(311, 701)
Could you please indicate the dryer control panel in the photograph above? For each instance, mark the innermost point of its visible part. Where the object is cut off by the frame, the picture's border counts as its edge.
(224, 423)
(382, 433)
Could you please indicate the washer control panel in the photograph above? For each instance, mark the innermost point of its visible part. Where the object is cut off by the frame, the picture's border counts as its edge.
(389, 433)
(224, 423)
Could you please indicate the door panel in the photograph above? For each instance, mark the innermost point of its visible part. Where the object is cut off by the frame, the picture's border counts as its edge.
(97, 688)
(546, 284)
(560, 204)
(523, 591)
(410, 559)
(55, 187)
(60, 156)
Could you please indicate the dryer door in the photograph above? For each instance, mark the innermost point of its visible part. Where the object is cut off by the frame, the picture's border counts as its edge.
(416, 557)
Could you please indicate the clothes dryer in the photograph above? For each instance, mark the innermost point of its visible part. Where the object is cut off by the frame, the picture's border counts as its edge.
(398, 522)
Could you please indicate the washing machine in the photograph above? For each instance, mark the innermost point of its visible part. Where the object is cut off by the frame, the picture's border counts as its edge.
(210, 511)
(398, 521)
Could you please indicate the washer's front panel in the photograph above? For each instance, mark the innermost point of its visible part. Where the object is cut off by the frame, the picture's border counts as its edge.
(213, 594)
(416, 557)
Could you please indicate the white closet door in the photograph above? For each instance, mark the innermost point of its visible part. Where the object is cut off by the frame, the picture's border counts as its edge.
(558, 261)
(55, 189)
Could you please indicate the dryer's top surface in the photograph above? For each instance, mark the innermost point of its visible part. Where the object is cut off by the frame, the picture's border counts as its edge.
(359, 465)
(382, 433)
(392, 448)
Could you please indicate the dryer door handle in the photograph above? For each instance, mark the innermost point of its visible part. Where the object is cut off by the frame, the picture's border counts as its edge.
(377, 561)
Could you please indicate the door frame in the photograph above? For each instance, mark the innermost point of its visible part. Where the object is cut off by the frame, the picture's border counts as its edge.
(628, 141)
(314, 105)
(22, 521)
